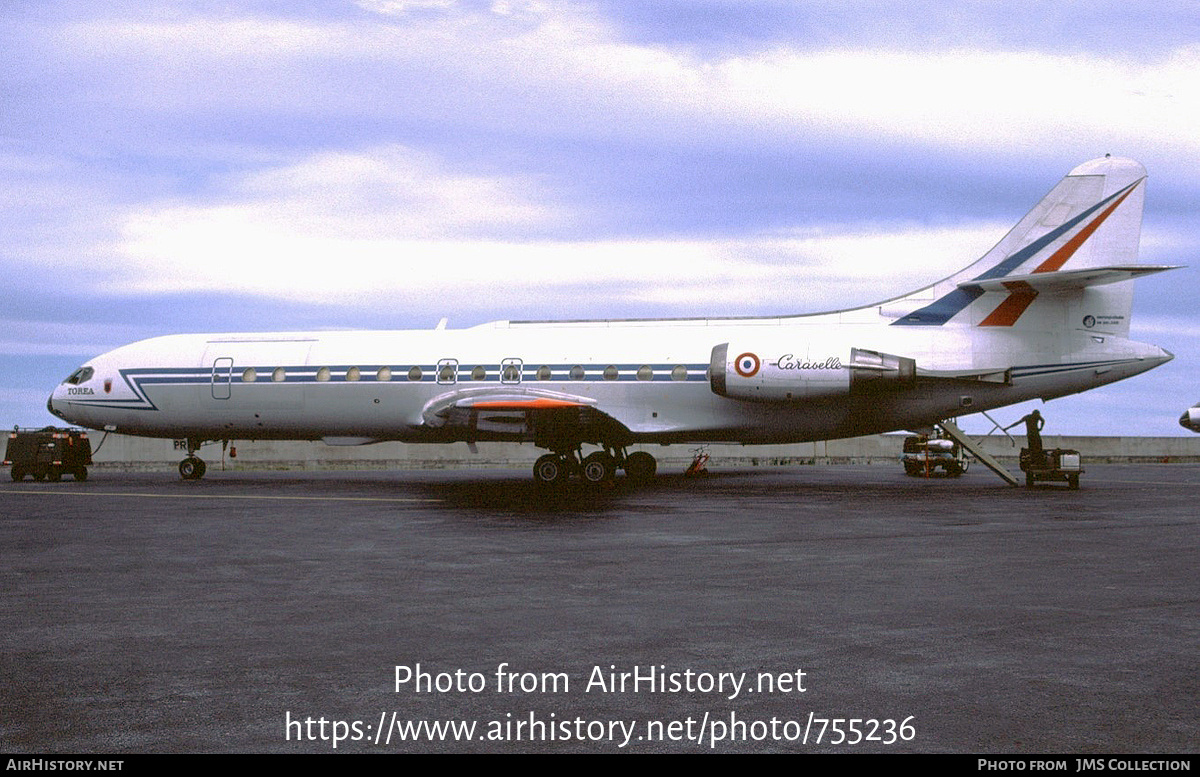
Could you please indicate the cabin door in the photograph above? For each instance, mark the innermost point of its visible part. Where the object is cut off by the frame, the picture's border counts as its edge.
(222, 376)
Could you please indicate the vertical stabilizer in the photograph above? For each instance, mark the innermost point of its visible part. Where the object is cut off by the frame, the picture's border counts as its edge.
(1092, 218)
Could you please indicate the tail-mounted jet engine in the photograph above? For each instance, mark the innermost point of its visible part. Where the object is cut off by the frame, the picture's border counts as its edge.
(745, 373)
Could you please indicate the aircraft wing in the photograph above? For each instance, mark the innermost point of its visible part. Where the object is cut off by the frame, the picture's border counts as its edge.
(519, 413)
(437, 410)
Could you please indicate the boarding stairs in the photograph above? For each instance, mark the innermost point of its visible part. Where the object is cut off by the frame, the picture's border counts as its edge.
(959, 436)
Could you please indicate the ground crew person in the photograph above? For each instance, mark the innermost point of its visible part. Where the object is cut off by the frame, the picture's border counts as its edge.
(1033, 434)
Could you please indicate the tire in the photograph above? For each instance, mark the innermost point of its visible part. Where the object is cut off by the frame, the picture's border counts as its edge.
(640, 466)
(550, 470)
(1073, 482)
(18, 472)
(1029, 480)
(598, 468)
(54, 474)
(192, 468)
(81, 473)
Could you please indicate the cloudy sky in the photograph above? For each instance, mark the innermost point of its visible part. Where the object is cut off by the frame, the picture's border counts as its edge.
(237, 165)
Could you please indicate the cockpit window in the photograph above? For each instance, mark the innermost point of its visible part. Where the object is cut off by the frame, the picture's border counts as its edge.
(81, 375)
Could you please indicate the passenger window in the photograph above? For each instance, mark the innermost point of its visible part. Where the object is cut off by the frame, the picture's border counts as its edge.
(249, 375)
(576, 373)
(414, 373)
(323, 374)
(645, 373)
(479, 373)
(611, 373)
(354, 373)
(447, 371)
(510, 371)
(384, 374)
(543, 373)
(279, 375)
(679, 372)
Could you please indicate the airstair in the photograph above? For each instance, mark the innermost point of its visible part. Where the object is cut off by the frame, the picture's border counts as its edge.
(960, 437)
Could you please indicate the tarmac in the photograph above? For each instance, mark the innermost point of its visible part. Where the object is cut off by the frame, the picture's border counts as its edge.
(808, 609)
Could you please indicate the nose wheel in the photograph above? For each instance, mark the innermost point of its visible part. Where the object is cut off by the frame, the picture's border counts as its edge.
(192, 468)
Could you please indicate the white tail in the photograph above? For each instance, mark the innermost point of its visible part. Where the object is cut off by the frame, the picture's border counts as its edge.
(1091, 220)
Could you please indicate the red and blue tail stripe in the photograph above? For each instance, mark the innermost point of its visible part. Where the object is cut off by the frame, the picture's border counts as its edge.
(1021, 295)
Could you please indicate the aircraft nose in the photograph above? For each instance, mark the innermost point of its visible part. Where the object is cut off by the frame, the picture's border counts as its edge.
(50, 406)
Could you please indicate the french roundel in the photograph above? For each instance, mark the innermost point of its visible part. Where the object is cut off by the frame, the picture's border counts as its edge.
(746, 365)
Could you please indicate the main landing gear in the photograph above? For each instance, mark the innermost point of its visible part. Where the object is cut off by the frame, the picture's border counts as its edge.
(599, 468)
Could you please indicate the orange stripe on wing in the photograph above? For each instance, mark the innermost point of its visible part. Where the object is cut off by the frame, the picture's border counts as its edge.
(526, 404)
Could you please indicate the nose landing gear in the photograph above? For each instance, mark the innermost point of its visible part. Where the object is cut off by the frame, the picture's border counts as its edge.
(193, 467)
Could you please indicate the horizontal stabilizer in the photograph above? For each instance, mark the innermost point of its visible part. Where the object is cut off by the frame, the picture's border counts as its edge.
(1066, 280)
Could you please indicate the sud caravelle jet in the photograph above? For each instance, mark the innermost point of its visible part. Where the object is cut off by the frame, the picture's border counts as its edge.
(1043, 314)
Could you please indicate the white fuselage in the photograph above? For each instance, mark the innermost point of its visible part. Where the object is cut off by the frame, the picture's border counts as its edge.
(651, 376)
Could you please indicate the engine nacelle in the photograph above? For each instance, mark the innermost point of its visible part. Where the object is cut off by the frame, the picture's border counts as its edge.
(742, 372)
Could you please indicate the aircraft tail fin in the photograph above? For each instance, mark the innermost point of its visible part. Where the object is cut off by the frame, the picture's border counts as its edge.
(1090, 223)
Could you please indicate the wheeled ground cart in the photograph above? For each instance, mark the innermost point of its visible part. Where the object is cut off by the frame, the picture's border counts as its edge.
(48, 454)
(923, 456)
(1054, 464)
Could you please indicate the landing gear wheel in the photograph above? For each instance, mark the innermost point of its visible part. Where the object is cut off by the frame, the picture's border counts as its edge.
(1073, 482)
(550, 470)
(640, 466)
(81, 473)
(18, 473)
(598, 468)
(54, 475)
(192, 468)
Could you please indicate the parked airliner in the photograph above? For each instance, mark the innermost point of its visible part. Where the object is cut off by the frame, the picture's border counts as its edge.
(1191, 418)
(1043, 314)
